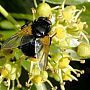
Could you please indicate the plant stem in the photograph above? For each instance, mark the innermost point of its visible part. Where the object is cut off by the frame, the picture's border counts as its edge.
(8, 88)
(63, 4)
(9, 17)
(43, 1)
(61, 80)
(33, 12)
(56, 7)
(35, 3)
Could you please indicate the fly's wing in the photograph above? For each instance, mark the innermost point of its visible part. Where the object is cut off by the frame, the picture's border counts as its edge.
(42, 55)
(12, 42)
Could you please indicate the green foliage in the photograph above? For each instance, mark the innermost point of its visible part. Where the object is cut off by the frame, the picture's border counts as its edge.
(26, 65)
(67, 1)
(85, 15)
(2, 87)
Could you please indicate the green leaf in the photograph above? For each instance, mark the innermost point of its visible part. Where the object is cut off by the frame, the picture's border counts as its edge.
(41, 86)
(85, 16)
(33, 87)
(5, 24)
(2, 60)
(26, 65)
(2, 87)
(7, 33)
(22, 16)
(18, 6)
(70, 2)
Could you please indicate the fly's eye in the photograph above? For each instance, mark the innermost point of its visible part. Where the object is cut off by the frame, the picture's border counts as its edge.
(41, 27)
(27, 45)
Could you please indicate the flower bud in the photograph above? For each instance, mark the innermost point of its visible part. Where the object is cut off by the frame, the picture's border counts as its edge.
(44, 74)
(60, 31)
(56, 77)
(64, 62)
(37, 79)
(43, 10)
(83, 50)
(68, 13)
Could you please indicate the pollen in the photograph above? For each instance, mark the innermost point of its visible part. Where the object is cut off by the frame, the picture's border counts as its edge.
(4, 73)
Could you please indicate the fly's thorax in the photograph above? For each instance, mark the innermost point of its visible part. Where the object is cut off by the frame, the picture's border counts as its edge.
(26, 29)
(46, 40)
